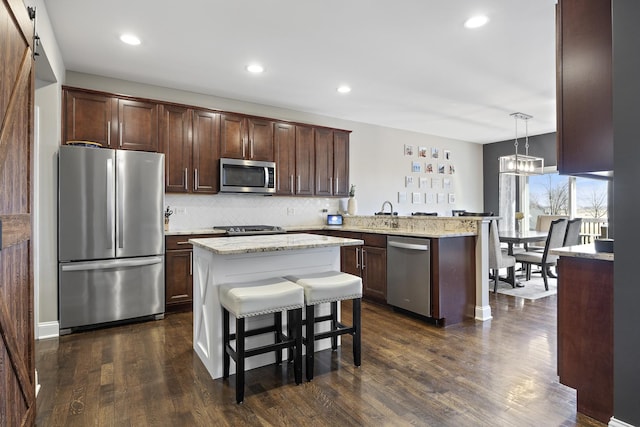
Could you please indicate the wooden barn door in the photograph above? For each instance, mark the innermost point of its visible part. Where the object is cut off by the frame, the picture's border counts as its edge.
(17, 362)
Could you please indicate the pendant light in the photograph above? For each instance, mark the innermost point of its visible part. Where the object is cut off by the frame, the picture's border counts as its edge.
(521, 164)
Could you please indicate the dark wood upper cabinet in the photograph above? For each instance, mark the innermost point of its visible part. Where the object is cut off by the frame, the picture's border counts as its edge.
(294, 157)
(206, 151)
(331, 162)
(305, 160)
(584, 86)
(284, 154)
(90, 117)
(109, 120)
(190, 141)
(138, 125)
(175, 136)
(246, 137)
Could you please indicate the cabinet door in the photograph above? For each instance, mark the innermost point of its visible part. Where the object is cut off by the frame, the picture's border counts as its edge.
(90, 117)
(138, 125)
(305, 161)
(324, 162)
(340, 163)
(179, 279)
(206, 151)
(232, 136)
(374, 273)
(584, 95)
(284, 153)
(350, 257)
(260, 140)
(175, 143)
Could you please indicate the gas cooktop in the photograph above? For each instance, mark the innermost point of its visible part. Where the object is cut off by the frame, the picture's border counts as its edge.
(250, 230)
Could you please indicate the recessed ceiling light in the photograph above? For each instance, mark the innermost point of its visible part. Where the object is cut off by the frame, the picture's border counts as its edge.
(130, 39)
(255, 68)
(476, 21)
(344, 89)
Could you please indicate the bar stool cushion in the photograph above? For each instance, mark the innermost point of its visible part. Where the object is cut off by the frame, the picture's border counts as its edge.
(328, 286)
(260, 297)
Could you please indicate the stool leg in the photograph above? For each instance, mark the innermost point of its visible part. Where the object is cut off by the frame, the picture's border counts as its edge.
(357, 326)
(240, 361)
(310, 341)
(296, 320)
(291, 333)
(277, 322)
(225, 342)
(334, 324)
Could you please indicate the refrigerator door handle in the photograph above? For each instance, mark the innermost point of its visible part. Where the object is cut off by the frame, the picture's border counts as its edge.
(103, 265)
(110, 202)
(121, 199)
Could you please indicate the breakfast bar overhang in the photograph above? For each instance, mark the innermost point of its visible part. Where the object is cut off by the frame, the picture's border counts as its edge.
(227, 260)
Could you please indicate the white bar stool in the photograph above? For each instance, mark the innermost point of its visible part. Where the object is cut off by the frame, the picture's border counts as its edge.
(258, 298)
(330, 286)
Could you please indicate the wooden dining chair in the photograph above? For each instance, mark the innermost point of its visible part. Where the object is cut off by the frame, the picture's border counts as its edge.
(555, 239)
(498, 258)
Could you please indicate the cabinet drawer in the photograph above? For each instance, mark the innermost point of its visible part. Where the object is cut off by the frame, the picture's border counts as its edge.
(181, 242)
(376, 240)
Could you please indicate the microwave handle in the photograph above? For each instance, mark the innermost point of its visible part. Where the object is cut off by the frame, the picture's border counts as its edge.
(266, 177)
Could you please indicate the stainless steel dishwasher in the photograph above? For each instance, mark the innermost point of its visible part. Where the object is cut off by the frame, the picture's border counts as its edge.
(409, 274)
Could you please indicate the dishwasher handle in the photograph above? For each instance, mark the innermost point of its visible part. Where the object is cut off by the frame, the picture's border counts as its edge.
(411, 246)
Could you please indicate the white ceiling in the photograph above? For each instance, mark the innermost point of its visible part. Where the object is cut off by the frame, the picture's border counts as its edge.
(411, 63)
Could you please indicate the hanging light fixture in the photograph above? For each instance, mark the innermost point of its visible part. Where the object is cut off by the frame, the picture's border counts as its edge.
(521, 164)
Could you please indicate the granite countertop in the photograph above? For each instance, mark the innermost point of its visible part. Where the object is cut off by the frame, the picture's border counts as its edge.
(582, 251)
(193, 231)
(271, 243)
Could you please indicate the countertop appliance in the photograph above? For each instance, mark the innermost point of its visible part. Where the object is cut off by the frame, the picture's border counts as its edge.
(334, 219)
(409, 274)
(247, 176)
(110, 235)
(250, 230)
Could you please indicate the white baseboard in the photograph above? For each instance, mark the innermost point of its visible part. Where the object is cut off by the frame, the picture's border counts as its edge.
(483, 313)
(48, 330)
(617, 423)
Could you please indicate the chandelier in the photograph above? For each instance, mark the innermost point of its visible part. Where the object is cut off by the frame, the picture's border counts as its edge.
(521, 164)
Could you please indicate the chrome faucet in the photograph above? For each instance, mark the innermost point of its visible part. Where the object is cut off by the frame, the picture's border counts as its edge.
(386, 202)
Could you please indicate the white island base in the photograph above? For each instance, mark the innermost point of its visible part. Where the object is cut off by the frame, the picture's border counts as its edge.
(212, 269)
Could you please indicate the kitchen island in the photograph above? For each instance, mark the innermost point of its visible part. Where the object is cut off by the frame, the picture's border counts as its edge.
(224, 260)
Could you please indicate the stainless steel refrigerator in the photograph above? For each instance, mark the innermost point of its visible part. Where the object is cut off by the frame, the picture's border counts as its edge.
(110, 235)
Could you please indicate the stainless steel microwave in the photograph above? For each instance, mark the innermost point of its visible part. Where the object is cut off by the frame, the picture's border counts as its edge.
(247, 176)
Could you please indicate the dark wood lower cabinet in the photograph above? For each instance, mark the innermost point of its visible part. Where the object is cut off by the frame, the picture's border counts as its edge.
(178, 272)
(585, 333)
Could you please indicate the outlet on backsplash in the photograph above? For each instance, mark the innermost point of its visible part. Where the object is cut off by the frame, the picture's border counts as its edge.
(180, 211)
(291, 211)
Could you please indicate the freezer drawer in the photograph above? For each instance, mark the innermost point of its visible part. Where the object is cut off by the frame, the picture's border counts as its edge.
(95, 292)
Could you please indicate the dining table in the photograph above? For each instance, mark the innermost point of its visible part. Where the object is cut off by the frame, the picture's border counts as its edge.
(515, 237)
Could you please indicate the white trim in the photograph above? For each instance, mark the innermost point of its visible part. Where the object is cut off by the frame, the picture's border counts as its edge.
(483, 313)
(48, 330)
(37, 384)
(617, 423)
(35, 232)
(483, 309)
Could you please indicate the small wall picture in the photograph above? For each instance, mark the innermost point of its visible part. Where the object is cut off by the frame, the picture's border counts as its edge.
(415, 167)
(408, 150)
(447, 155)
(436, 183)
(429, 198)
(441, 168)
(428, 167)
(402, 197)
(408, 181)
(440, 198)
(446, 183)
(422, 151)
(452, 198)
(416, 198)
(435, 153)
(452, 169)
(424, 182)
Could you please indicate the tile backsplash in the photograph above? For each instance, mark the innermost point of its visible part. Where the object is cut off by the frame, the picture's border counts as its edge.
(204, 211)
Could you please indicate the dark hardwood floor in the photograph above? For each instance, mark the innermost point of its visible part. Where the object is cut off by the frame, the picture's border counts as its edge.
(497, 373)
